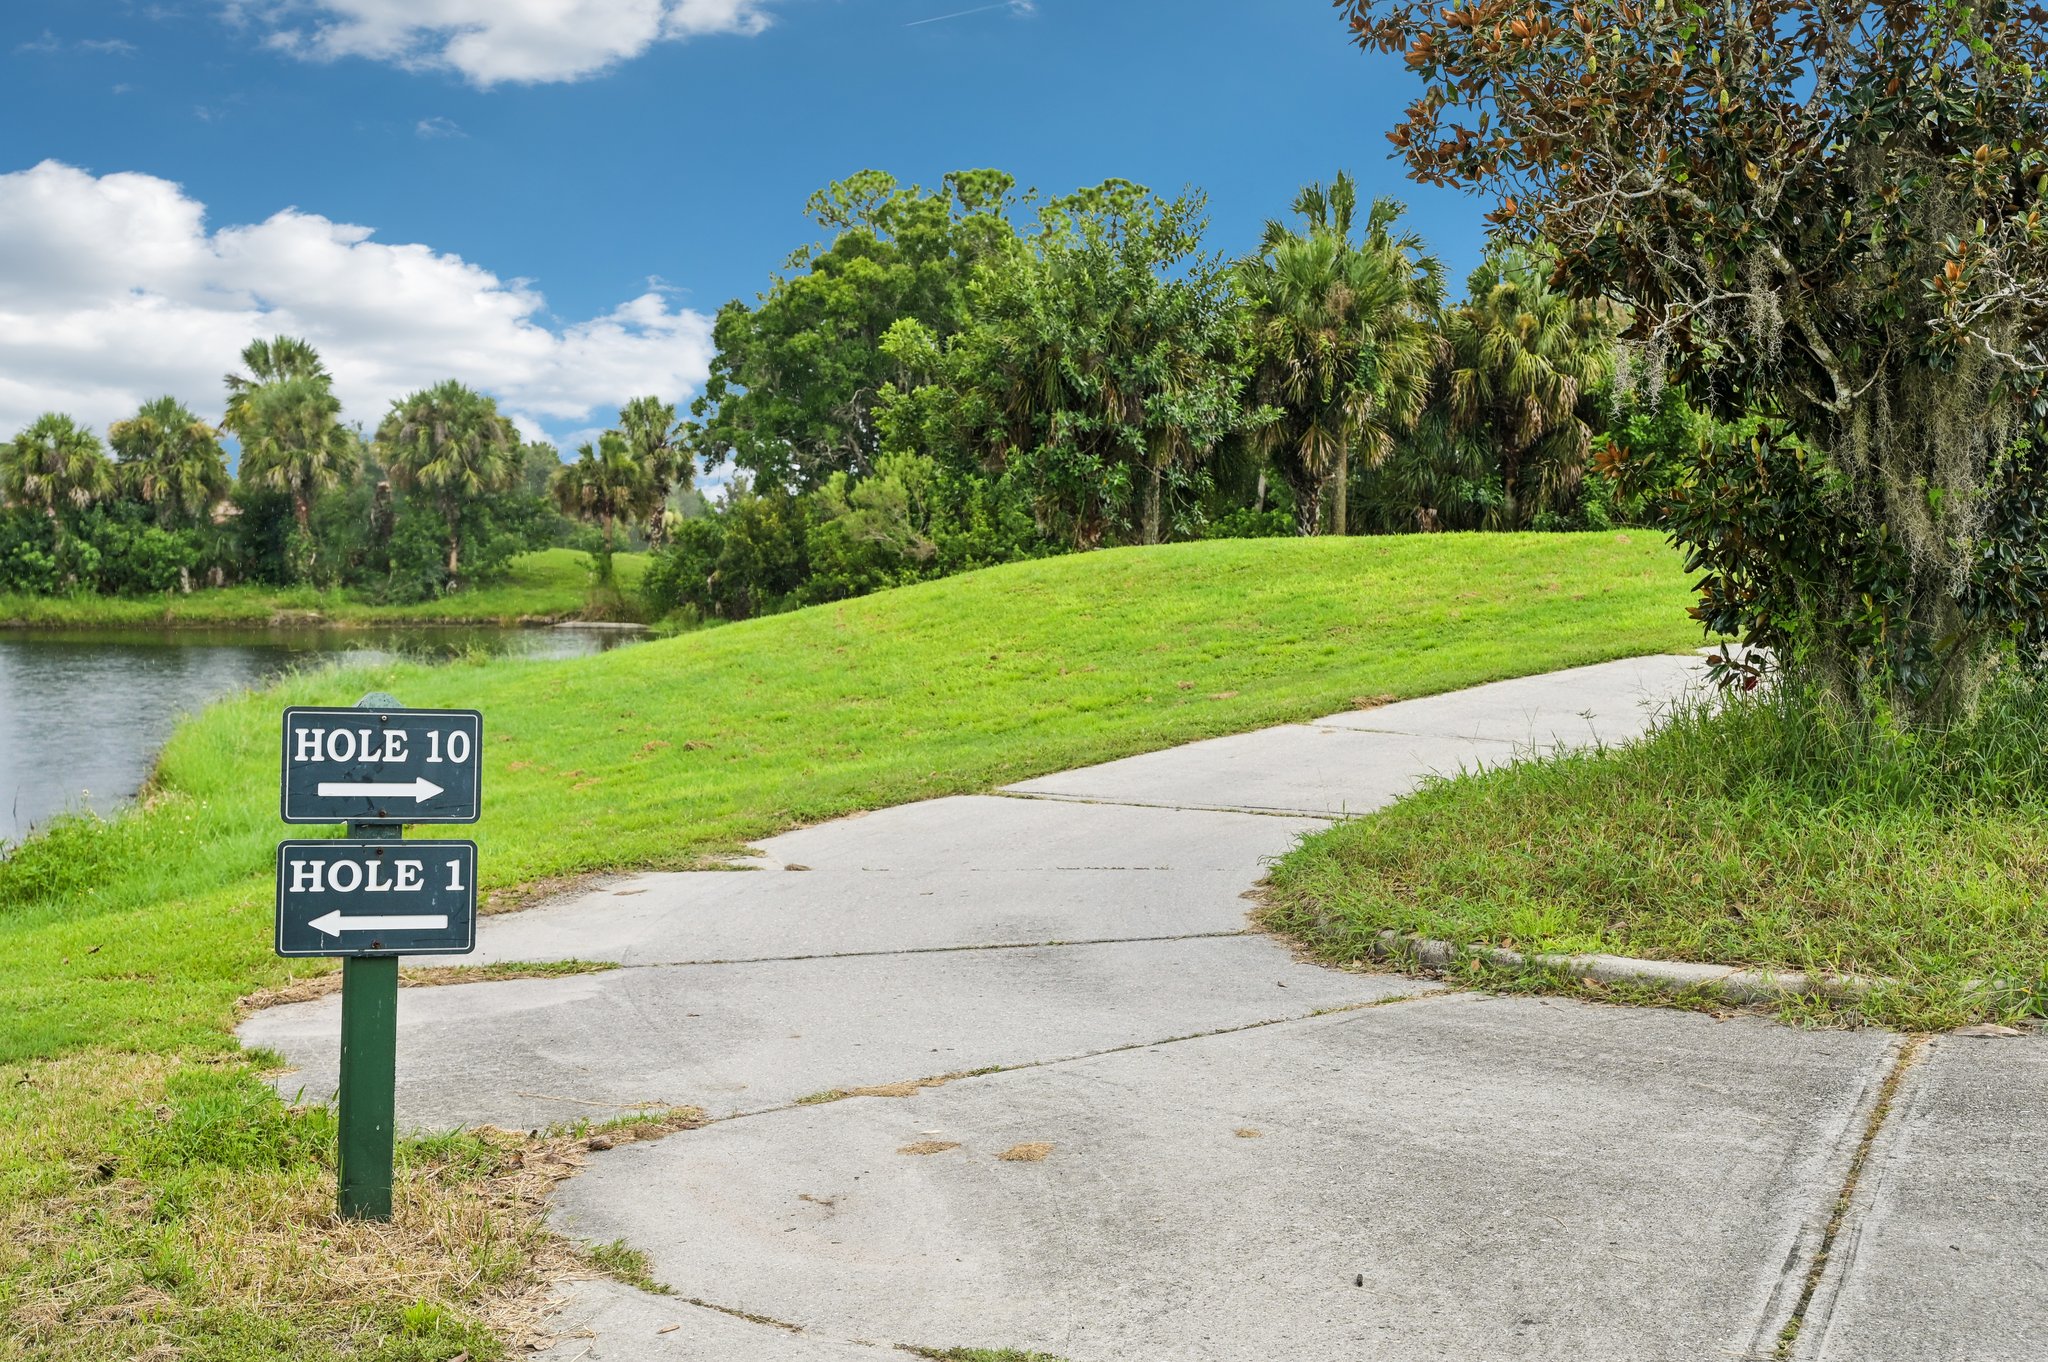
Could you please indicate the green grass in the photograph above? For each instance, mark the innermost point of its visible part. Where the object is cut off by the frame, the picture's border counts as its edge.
(1776, 832)
(126, 943)
(628, 1264)
(552, 584)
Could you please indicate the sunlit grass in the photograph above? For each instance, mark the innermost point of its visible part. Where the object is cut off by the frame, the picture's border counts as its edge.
(1777, 833)
(125, 944)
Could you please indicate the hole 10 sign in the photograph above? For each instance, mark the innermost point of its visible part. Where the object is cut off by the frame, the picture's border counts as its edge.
(382, 766)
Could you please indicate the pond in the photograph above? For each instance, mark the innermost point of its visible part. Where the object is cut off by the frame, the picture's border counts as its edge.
(83, 714)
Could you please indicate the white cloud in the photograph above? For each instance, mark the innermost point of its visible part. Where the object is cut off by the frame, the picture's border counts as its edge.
(429, 129)
(114, 290)
(494, 41)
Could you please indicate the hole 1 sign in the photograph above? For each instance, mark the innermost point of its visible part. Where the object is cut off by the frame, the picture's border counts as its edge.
(352, 897)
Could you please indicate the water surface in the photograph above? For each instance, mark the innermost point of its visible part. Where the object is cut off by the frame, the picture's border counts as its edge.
(83, 714)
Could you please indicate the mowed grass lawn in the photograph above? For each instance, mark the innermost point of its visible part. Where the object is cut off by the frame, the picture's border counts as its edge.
(128, 1194)
(550, 584)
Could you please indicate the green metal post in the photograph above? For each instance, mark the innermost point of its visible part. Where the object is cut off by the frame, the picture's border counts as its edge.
(369, 1058)
(368, 1096)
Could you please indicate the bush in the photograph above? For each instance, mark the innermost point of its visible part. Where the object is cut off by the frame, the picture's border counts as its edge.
(748, 560)
(1245, 523)
(122, 552)
(28, 554)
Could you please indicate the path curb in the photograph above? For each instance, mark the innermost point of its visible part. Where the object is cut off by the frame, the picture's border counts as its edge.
(1746, 985)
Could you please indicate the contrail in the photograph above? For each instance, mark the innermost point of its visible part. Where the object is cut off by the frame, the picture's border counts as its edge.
(962, 14)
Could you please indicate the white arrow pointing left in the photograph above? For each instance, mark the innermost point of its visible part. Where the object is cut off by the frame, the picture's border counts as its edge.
(334, 924)
(420, 789)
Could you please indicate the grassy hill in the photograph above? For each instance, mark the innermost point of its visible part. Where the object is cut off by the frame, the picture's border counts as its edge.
(658, 754)
(127, 942)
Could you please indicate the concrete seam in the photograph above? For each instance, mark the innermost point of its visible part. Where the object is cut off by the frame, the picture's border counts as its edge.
(919, 950)
(1321, 816)
(1425, 737)
(1027, 1066)
(1882, 1102)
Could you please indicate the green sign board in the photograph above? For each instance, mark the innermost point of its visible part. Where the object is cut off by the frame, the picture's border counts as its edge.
(390, 765)
(361, 897)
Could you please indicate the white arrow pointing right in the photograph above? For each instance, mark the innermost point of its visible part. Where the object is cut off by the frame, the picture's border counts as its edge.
(419, 790)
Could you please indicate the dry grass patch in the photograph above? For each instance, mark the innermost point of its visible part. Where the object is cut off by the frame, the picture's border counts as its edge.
(418, 976)
(1034, 1152)
(159, 1207)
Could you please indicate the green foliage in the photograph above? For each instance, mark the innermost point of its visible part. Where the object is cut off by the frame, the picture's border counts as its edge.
(1246, 523)
(54, 466)
(170, 460)
(910, 521)
(1524, 360)
(292, 440)
(130, 554)
(28, 554)
(1834, 222)
(449, 444)
(1789, 565)
(1343, 339)
(1784, 829)
(612, 482)
(793, 388)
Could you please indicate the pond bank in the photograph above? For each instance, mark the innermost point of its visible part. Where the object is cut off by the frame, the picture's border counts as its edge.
(549, 587)
(83, 712)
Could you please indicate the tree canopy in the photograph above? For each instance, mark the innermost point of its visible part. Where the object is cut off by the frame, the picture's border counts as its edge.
(1830, 215)
(792, 390)
(1344, 341)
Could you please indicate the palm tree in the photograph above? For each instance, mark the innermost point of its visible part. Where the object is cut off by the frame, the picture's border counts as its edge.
(293, 441)
(53, 466)
(450, 442)
(608, 483)
(655, 437)
(272, 361)
(1344, 341)
(170, 459)
(1523, 356)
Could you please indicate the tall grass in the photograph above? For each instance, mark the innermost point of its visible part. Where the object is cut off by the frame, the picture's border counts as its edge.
(1778, 830)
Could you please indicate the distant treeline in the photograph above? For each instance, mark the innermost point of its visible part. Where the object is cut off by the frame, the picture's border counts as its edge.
(957, 377)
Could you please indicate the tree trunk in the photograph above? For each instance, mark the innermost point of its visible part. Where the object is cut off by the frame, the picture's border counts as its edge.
(1308, 508)
(657, 524)
(303, 510)
(1151, 530)
(1511, 510)
(454, 548)
(1259, 503)
(1341, 502)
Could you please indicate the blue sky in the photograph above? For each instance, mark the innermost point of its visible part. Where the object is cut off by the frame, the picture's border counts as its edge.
(589, 179)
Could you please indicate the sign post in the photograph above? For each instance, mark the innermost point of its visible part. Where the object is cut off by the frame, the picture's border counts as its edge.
(372, 896)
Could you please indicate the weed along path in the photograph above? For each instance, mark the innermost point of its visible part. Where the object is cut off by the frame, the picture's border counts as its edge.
(1012, 1071)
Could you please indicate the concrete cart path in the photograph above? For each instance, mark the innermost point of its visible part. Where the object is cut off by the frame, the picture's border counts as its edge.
(1215, 1150)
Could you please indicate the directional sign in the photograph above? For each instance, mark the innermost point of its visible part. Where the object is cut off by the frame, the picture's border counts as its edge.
(349, 897)
(382, 766)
